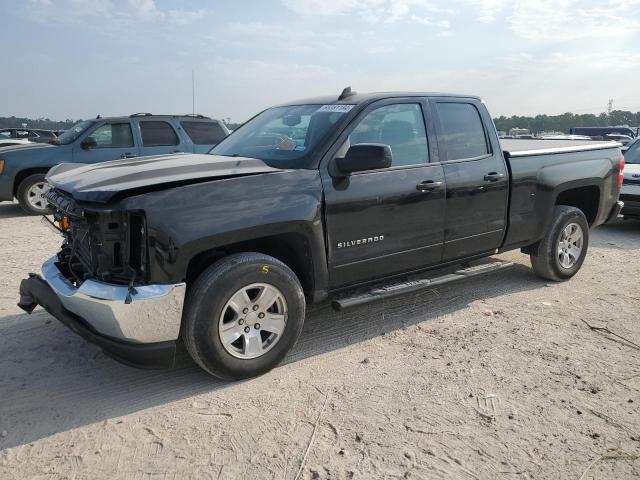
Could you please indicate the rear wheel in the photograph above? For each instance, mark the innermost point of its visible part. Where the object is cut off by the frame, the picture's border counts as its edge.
(560, 254)
(242, 315)
(30, 195)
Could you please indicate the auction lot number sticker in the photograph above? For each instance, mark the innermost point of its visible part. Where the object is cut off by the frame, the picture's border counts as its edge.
(335, 108)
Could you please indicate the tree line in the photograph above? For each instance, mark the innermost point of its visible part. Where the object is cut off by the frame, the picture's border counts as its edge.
(43, 123)
(539, 123)
(562, 123)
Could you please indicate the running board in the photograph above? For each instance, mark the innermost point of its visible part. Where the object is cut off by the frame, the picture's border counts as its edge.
(394, 289)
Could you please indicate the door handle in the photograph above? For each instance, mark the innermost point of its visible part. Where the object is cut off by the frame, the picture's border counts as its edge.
(428, 186)
(493, 177)
(128, 155)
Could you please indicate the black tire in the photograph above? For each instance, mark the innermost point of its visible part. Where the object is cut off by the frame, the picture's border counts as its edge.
(209, 294)
(545, 258)
(24, 192)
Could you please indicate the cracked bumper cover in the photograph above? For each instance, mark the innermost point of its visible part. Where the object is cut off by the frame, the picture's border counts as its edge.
(141, 333)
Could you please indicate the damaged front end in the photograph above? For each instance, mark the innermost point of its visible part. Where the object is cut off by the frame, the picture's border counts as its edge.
(97, 285)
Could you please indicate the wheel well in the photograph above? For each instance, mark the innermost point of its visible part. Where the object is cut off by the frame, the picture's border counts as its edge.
(24, 174)
(586, 199)
(291, 248)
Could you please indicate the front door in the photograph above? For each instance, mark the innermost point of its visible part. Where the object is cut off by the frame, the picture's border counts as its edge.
(389, 220)
(477, 181)
(113, 141)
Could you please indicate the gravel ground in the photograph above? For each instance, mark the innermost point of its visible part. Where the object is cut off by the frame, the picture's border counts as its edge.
(497, 377)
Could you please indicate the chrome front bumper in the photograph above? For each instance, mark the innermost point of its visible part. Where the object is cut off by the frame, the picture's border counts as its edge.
(154, 314)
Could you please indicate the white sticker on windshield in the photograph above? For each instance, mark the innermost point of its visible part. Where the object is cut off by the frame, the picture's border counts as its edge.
(336, 108)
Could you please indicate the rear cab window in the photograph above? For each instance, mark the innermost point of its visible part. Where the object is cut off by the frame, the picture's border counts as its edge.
(158, 134)
(462, 134)
(204, 133)
(632, 156)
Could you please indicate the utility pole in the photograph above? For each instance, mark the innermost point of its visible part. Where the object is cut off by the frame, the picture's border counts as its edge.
(610, 106)
(193, 91)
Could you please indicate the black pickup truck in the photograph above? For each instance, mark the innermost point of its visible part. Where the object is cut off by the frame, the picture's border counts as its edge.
(350, 198)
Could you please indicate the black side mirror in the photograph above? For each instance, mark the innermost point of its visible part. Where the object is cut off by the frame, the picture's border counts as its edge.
(89, 143)
(365, 156)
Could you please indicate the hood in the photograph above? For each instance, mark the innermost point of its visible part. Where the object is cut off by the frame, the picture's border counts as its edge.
(26, 147)
(102, 182)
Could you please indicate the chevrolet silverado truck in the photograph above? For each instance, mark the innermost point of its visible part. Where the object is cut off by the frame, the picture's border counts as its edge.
(23, 167)
(348, 198)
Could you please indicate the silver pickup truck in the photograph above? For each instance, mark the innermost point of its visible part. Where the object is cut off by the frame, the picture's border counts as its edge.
(630, 192)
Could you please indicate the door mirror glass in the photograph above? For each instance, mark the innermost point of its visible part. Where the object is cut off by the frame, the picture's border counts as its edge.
(89, 143)
(365, 156)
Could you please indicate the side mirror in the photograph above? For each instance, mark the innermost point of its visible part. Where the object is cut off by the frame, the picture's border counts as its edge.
(365, 156)
(89, 143)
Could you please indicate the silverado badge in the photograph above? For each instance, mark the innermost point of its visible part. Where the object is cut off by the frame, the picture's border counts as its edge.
(361, 241)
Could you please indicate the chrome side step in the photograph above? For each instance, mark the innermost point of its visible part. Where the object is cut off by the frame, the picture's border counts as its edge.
(394, 289)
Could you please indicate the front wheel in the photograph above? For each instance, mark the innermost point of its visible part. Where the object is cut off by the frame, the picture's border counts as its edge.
(30, 195)
(560, 254)
(242, 315)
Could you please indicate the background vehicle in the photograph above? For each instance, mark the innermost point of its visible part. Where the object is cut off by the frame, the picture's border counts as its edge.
(33, 135)
(520, 133)
(615, 137)
(563, 137)
(14, 141)
(346, 198)
(22, 169)
(630, 193)
(602, 131)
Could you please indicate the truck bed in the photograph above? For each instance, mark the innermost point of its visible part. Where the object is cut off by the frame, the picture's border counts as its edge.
(527, 147)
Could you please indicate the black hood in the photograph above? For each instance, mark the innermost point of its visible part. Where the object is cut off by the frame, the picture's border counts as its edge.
(103, 182)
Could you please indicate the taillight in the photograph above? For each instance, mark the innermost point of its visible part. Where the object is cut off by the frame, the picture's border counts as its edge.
(621, 172)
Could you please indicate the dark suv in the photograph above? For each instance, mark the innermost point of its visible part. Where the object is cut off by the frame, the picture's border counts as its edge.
(22, 168)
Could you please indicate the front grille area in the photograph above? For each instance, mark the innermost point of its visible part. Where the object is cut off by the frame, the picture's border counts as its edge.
(104, 245)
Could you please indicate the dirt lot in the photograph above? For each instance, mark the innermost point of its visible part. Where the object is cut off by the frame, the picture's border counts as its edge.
(493, 378)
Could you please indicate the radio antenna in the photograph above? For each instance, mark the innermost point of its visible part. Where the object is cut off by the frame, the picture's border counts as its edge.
(193, 91)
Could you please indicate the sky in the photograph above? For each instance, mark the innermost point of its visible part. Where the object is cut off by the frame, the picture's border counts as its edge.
(79, 58)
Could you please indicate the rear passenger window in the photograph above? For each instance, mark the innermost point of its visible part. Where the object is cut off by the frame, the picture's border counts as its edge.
(462, 133)
(204, 133)
(158, 134)
(401, 127)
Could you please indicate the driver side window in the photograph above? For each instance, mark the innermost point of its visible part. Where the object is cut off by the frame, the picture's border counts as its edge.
(113, 135)
(400, 126)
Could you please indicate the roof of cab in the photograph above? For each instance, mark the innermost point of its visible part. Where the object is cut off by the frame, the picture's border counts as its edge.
(187, 116)
(356, 98)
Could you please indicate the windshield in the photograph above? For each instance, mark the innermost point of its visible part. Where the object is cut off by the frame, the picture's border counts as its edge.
(70, 135)
(633, 154)
(285, 137)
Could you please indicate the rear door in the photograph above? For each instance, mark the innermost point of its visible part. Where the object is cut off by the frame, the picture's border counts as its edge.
(476, 176)
(114, 140)
(159, 137)
(390, 220)
(205, 134)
